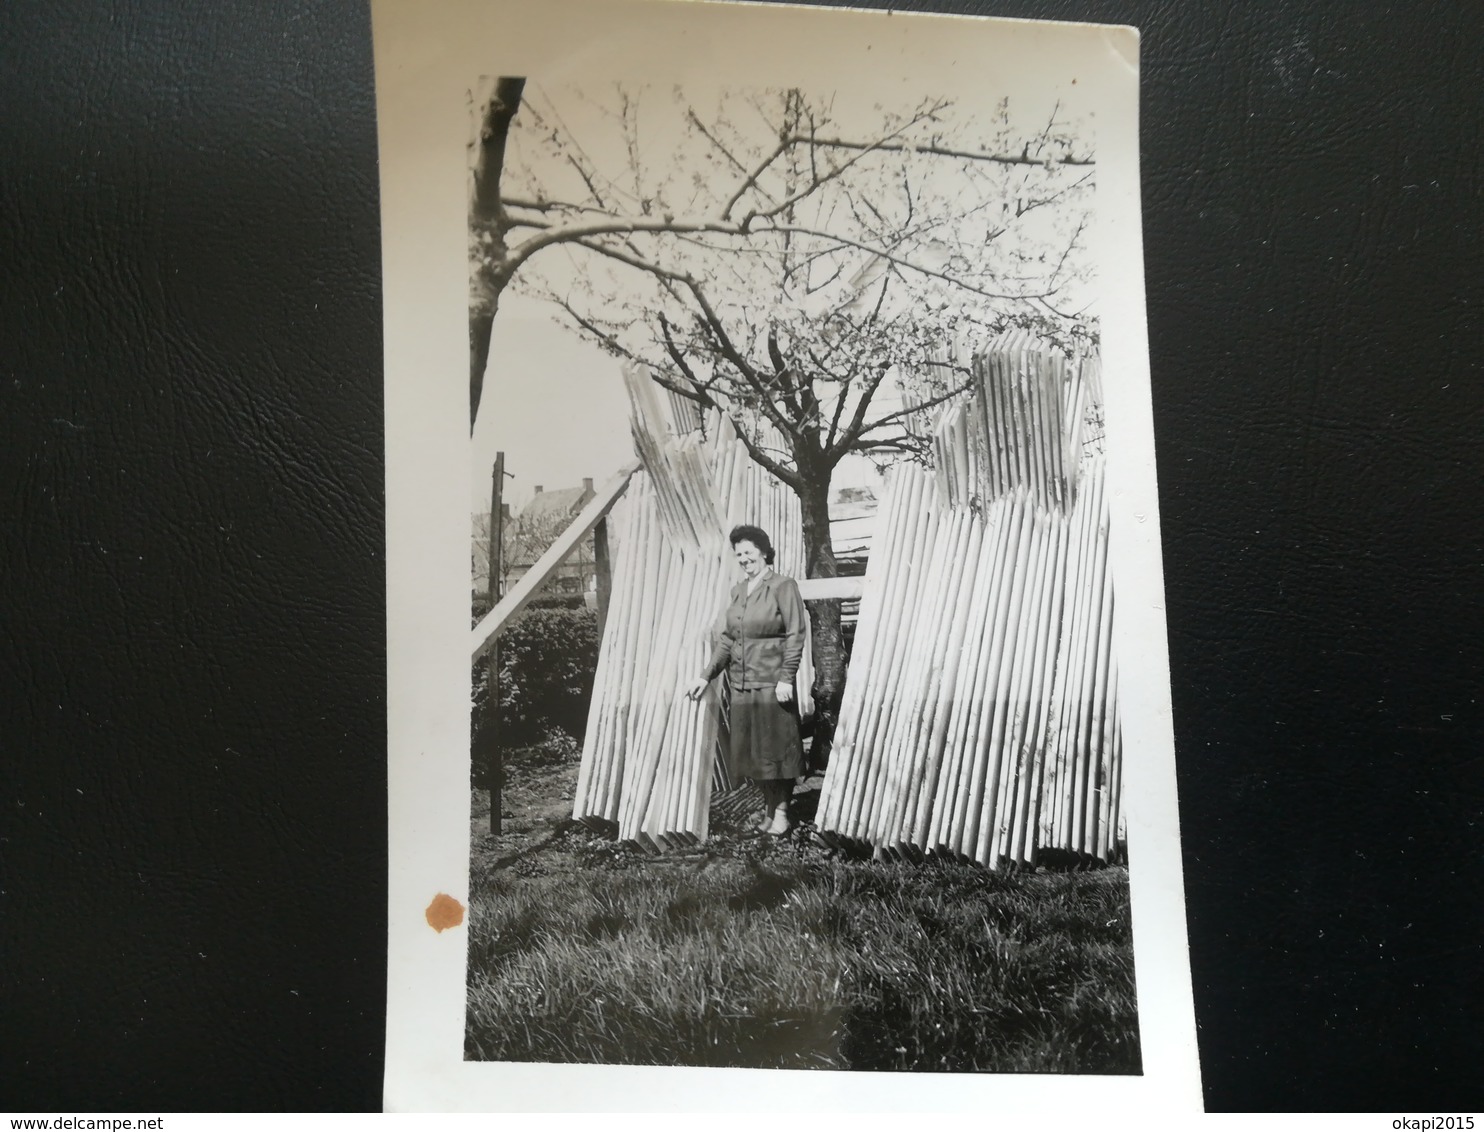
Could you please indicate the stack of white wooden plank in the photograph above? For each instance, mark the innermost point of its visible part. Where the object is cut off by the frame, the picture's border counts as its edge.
(650, 755)
(647, 750)
(1023, 428)
(980, 715)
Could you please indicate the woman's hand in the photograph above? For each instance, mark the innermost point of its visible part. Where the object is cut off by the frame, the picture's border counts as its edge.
(784, 692)
(696, 688)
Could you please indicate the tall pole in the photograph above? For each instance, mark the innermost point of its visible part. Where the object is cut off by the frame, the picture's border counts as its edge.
(497, 528)
(494, 763)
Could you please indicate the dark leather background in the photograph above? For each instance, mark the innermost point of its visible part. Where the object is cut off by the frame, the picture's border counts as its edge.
(193, 844)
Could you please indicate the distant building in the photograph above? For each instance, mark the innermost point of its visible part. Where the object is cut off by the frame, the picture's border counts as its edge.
(527, 535)
(852, 521)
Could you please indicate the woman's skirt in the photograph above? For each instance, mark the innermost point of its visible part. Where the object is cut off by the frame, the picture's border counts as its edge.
(765, 740)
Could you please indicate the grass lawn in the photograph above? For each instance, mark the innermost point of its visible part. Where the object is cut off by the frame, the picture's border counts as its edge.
(751, 951)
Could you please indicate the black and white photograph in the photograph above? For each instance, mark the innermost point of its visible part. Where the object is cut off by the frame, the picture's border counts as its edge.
(799, 622)
(742, 561)
(848, 600)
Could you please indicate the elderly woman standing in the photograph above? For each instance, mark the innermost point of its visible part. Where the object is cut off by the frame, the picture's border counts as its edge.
(761, 644)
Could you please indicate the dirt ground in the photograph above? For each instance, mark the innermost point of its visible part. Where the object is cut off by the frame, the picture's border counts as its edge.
(539, 836)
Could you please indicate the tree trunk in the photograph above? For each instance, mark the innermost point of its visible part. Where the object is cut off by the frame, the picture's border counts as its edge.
(487, 229)
(484, 301)
(826, 636)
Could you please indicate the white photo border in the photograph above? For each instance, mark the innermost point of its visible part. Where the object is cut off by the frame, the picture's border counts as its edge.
(429, 54)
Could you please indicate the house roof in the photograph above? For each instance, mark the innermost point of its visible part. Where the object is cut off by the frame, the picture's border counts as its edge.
(557, 504)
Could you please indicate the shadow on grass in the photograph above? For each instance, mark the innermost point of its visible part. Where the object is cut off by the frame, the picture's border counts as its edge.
(561, 833)
(783, 953)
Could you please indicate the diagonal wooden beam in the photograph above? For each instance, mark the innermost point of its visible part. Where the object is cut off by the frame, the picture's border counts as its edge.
(493, 622)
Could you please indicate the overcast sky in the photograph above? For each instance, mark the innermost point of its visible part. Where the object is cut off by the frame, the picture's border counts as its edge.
(553, 403)
(556, 407)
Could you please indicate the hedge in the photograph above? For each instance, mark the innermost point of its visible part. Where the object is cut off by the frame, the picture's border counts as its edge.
(547, 659)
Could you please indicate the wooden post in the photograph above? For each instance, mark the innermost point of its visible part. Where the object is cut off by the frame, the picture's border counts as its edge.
(494, 763)
(601, 569)
(490, 626)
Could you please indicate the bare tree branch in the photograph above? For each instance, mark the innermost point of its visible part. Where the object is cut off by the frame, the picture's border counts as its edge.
(852, 431)
(751, 179)
(605, 337)
(816, 181)
(702, 389)
(907, 264)
(943, 151)
(674, 387)
(921, 406)
(729, 351)
(695, 120)
(781, 472)
(781, 368)
(584, 234)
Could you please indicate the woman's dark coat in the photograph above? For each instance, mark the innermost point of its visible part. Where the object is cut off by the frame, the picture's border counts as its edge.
(762, 639)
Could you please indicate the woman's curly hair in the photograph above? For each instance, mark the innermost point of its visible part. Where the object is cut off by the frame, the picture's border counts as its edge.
(746, 532)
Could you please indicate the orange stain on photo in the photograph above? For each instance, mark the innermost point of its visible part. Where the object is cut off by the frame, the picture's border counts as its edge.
(444, 912)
